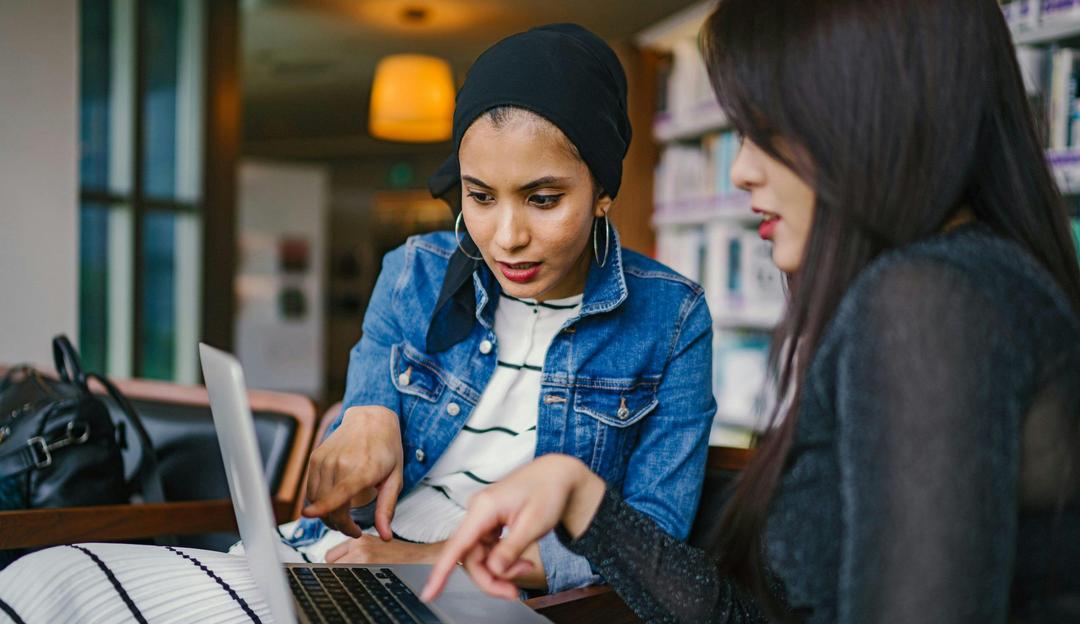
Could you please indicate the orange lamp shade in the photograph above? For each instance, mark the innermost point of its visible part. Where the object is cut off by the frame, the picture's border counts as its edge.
(412, 99)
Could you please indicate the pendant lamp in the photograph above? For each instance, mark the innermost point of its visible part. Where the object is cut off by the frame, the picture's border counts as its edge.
(412, 99)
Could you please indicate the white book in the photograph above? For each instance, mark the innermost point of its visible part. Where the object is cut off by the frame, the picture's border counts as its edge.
(1032, 61)
(740, 365)
(762, 283)
(682, 249)
(1061, 97)
(717, 266)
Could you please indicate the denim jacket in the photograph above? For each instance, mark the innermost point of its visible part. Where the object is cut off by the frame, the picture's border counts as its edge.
(626, 385)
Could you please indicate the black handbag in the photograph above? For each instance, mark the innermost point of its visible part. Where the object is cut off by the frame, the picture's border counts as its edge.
(59, 446)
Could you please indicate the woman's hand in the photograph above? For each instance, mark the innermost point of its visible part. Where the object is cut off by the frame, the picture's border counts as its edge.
(369, 550)
(529, 503)
(361, 460)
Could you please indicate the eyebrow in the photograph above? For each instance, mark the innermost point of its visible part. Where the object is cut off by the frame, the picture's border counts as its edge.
(535, 184)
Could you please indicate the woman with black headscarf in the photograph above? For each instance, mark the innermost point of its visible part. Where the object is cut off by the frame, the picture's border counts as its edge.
(528, 330)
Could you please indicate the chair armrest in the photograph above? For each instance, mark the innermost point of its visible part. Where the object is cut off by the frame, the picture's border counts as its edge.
(33, 528)
(587, 604)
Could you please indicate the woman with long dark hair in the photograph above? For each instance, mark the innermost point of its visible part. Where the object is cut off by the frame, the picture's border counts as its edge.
(922, 463)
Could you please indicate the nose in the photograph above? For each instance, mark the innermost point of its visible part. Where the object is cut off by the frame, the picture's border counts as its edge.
(746, 171)
(512, 231)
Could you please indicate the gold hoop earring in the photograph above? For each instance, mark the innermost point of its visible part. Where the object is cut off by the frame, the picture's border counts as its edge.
(607, 241)
(457, 236)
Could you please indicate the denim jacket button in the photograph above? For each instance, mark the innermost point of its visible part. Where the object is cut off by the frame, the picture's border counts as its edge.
(405, 378)
(453, 409)
(485, 346)
(420, 455)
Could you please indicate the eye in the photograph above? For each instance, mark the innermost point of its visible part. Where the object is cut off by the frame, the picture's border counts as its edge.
(545, 201)
(481, 197)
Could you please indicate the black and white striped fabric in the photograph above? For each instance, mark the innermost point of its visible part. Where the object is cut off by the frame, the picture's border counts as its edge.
(109, 583)
(500, 434)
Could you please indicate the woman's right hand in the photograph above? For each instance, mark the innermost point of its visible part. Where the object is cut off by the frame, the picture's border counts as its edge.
(507, 517)
(361, 460)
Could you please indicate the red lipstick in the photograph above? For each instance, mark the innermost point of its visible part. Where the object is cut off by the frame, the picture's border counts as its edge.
(767, 227)
(520, 272)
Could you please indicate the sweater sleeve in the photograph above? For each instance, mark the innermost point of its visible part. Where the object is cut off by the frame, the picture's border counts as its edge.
(659, 577)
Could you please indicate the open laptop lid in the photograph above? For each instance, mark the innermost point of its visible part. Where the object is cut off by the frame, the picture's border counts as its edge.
(247, 483)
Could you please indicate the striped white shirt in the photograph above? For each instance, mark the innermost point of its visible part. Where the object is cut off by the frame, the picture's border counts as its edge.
(500, 434)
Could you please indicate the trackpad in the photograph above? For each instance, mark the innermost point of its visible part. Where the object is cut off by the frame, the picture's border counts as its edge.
(463, 601)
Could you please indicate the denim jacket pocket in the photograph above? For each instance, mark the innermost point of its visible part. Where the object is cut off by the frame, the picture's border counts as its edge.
(615, 406)
(606, 412)
(412, 375)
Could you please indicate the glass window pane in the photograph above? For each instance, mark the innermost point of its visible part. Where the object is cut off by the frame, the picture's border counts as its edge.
(93, 285)
(171, 296)
(105, 307)
(173, 101)
(105, 87)
(94, 81)
(158, 335)
(159, 101)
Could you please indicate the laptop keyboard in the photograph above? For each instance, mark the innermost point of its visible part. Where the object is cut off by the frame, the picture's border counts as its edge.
(333, 595)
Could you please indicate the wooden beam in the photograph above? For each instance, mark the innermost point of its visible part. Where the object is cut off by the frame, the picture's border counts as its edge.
(222, 155)
(633, 209)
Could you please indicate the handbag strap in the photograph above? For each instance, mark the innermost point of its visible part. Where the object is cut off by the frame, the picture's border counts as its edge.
(148, 474)
(68, 364)
(34, 454)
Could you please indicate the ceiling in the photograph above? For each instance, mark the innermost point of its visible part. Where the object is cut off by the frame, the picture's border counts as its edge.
(308, 64)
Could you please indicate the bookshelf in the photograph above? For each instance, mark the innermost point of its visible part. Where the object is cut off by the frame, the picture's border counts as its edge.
(704, 226)
(1047, 38)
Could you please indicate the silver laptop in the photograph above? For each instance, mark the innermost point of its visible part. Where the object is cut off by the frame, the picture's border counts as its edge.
(311, 592)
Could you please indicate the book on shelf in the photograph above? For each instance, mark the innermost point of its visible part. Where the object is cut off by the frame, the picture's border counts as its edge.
(1021, 14)
(683, 249)
(742, 284)
(1051, 11)
(1076, 235)
(685, 102)
(688, 87)
(740, 365)
(1063, 99)
(1024, 15)
(695, 178)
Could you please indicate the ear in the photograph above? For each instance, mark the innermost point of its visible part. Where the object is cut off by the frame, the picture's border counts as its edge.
(603, 205)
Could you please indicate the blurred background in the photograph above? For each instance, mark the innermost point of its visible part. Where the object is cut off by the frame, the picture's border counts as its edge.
(233, 171)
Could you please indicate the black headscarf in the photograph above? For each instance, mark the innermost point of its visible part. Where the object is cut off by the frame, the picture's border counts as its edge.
(565, 74)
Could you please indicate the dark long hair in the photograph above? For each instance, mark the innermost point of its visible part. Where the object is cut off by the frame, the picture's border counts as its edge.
(901, 111)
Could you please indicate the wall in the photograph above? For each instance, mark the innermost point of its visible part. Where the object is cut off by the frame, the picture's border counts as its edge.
(38, 176)
(280, 342)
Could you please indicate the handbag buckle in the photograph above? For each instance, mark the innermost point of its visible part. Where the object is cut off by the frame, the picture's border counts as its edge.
(39, 452)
